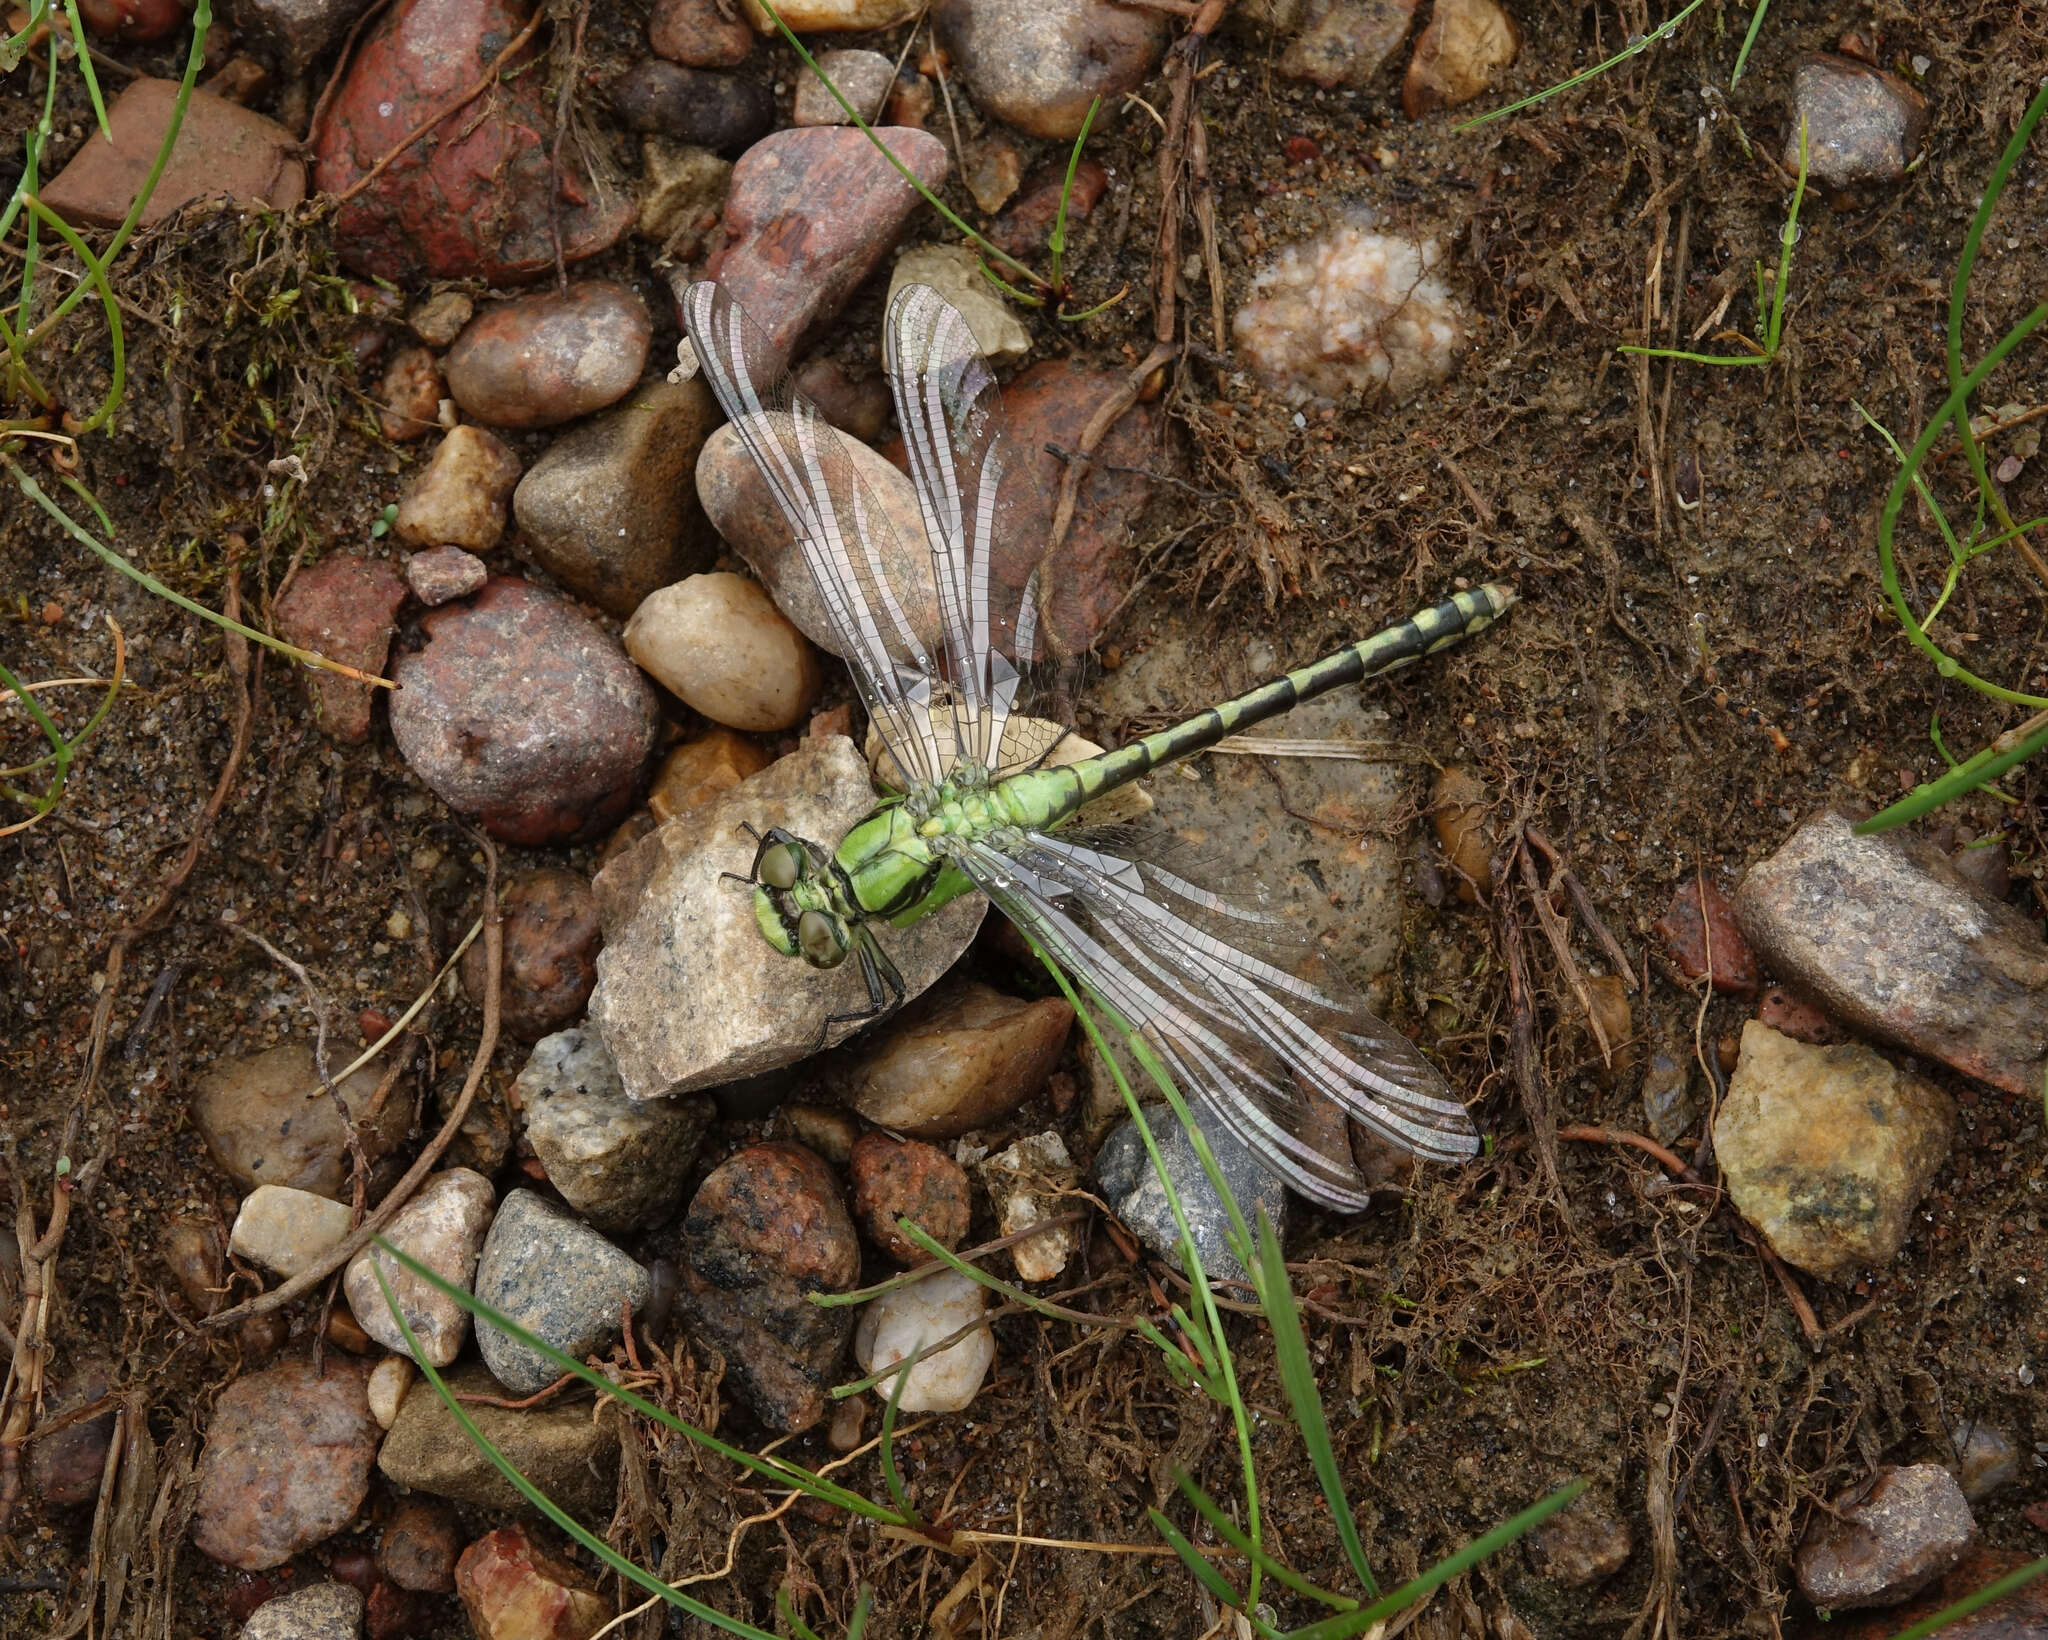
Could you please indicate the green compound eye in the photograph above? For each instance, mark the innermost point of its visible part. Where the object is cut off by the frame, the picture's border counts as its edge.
(779, 867)
(821, 939)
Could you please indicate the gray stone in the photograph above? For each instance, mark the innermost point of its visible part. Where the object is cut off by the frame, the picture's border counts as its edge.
(1881, 1543)
(442, 1227)
(1863, 126)
(570, 1455)
(618, 1161)
(609, 511)
(321, 1611)
(1670, 1105)
(1890, 939)
(296, 32)
(689, 994)
(557, 1278)
(1987, 1462)
(1124, 1171)
(1346, 42)
(1827, 1150)
(863, 79)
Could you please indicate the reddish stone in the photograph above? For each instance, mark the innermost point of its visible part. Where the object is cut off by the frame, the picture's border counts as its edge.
(898, 1178)
(511, 1586)
(1300, 150)
(222, 149)
(2022, 1615)
(472, 198)
(518, 709)
(1790, 1014)
(1028, 224)
(1050, 404)
(393, 1613)
(811, 214)
(440, 575)
(420, 1544)
(1713, 942)
(698, 34)
(342, 608)
(410, 395)
(133, 22)
(551, 932)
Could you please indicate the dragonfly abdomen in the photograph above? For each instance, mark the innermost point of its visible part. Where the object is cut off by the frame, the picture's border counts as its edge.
(1423, 633)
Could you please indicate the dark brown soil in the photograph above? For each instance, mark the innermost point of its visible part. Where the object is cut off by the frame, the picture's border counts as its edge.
(1699, 661)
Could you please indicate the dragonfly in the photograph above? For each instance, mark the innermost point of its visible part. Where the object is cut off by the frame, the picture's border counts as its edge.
(945, 668)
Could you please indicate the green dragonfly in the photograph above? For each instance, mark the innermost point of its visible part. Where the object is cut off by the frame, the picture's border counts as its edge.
(944, 667)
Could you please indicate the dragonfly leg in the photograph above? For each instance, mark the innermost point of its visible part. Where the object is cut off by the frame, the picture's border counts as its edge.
(886, 989)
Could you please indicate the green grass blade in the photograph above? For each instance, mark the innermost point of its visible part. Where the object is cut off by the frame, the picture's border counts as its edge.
(1304, 1400)
(1205, 1574)
(1756, 23)
(96, 270)
(863, 1603)
(2018, 1578)
(1056, 241)
(1633, 48)
(1964, 778)
(539, 1499)
(85, 68)
(1226, 1528)
(59, 753)
(891, 1477)
(1348, 1624)
(777, 1470)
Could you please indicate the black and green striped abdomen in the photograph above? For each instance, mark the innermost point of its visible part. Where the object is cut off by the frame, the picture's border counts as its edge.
(1423, 633)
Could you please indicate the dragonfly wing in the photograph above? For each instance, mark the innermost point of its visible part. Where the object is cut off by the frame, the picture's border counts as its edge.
(840, 530)
(950, 409)
(1252, 1040)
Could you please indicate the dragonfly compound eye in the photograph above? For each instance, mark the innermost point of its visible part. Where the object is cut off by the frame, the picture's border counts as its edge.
(779, 867)
(822, 939)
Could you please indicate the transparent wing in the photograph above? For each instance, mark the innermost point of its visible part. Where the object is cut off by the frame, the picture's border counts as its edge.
(1254, 1041)
(950, 409)
(840, 529)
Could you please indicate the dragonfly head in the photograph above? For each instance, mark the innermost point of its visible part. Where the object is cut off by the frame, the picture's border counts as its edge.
(795, 902)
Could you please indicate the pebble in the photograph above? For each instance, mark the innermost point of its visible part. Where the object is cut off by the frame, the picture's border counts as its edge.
(1987, 1462)
(697, 771)
(1790, 1014)
(440, 575)
(195, 1251)
(443, 1227)
(1026, 1183)
(834, 16)
(699, 106)
(1037, 64)
(418, 1547)
(439, 319)
(287, 1462)
(698, 34)
(390, 1381)
(1026, 229)
(1884, 1541)
(767, 1229)
(518, 709)
(480, 197)
(1343, 44)
(994, 171)
(287, 1230)
(863, 78)
(954, 271)
(513, 1589)
(1123, 1171)
(410, 395)
(223, 151)
(963, 1058)
(548, 358)
(718, 642)
(266, 1121)
(903, 1322)
(904, 1178)
(682, 195)
(557, 1278)
(1863, 126)
(345, 608)
(1885, 935)
(1710, 944)
(1459, 807)
(910, 102)
(1463, 49)
(1828, 1150)
(1584, 1543)
(321, 1611)
(830, 1130)
(65, 1468)
(133, 22)
(563, 1450)
(858, 408)
(689, 995)
(811, 214)
(609, 511)
(737, 500)
(1670, 1106)
(548, 918)
(294, 33)
(460, 498)
(1351, 312)
(619, 1162)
